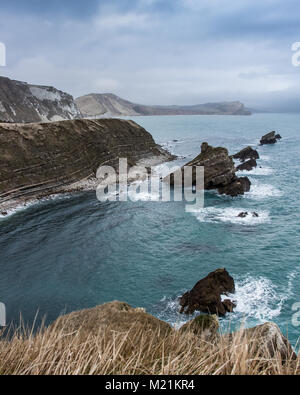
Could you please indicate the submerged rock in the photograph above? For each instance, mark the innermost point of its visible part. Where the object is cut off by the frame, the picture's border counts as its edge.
(249, 165)
(219, 171)
(245, 214)
(206, 294)
(246, 153)
(270, 138)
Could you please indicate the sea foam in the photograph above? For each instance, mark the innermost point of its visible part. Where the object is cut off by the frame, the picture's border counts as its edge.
(217, 215)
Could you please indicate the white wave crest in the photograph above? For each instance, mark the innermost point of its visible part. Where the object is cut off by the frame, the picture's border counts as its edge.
(261, 191)
(257, 298)
(216, 215)
(258, 171)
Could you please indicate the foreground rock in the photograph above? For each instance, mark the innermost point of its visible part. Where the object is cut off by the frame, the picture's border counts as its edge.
(246, 153)
(267, 341)
(204, 325)
(247, 166)
(219, 172)
(206, 295)
(41, 159)
(115, 316)
(270, 138)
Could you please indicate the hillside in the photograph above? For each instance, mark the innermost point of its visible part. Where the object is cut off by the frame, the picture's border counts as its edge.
(109, 105)
(22, 102)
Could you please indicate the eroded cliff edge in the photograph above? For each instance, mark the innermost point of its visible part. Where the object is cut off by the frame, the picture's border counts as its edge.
(38, 159)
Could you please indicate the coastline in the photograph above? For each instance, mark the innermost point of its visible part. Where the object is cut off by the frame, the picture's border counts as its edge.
(89, 183)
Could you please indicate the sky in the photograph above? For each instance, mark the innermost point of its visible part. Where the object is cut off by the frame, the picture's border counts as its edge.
(157, 51)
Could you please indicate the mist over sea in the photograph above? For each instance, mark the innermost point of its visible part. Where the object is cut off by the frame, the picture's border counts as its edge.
(73, 252)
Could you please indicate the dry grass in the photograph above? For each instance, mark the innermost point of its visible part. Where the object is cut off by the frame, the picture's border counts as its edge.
(53, 351)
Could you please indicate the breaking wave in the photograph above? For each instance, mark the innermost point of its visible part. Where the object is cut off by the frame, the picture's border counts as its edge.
(217, 215)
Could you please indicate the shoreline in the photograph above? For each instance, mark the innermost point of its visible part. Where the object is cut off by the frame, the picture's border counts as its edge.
(89, 183)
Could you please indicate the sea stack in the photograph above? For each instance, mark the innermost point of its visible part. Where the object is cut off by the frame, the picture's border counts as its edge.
(270, 138)
(219, 171)
(206, 295)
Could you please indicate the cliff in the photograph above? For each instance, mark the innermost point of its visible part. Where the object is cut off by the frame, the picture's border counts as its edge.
(117, 339)
(38, 159)
(97, 105)
(22, 102)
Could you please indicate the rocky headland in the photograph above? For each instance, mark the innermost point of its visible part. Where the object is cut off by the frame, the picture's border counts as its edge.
(110, 105)
(40, 159)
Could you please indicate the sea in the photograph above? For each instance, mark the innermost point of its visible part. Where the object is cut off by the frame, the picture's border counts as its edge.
(72, 252)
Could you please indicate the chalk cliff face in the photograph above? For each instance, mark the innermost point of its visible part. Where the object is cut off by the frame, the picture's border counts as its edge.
(37, 159)
(22, 102)
(96, 105)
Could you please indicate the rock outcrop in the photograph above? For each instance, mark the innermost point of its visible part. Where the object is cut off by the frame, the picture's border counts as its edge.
(22, 102)
(219, 172)
(270, 138)
(205, 325)
(108, 105)
(246, 153)
(39, 159)
(206, 295)
(237, 187)
(267, 341)
(114, 317)
(248, 165)
(246, 214)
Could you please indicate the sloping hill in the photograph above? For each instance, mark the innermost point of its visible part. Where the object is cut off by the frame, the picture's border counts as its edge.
(108, 105)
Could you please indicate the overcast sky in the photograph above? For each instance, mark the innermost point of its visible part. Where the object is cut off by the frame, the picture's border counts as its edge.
(157, 51)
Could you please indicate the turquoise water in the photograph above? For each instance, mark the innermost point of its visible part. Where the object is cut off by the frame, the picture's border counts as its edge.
(74, 252)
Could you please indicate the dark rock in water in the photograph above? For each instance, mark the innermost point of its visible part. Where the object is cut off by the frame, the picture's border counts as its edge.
(246, 153)
(219, 171)
(229, 305)
(243, 214)
(238, 187)
(206, 294)
(249, 165)
(270, 138)
(4, 213)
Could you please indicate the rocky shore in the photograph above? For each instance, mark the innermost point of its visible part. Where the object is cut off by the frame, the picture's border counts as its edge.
(42, 159)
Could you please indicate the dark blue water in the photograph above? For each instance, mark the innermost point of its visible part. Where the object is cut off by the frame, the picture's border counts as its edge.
(74, 252)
